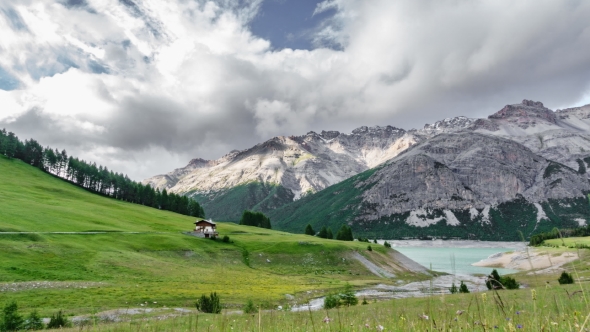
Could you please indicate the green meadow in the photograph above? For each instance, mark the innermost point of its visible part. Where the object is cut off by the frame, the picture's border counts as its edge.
(141, 254)
(138, 258)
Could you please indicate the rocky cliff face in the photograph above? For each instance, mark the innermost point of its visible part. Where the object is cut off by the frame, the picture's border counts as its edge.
(302, 164)
(524, 151)
(466, 170)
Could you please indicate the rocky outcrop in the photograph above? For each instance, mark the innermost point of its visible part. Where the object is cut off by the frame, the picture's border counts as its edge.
(466, 170)
(302, 164)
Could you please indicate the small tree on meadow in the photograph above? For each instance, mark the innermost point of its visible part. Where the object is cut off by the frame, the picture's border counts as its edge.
(565, 278)
(329, 234)
(463, 288)
(347, 297)
(11, 320)
(33, 322)
(309, 230)
(345, 234)
(209, 304)
(58, 321)
(331, 301)
(323, 233)
(453, 289)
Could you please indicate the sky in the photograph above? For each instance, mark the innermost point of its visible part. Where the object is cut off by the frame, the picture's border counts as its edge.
(144, 86)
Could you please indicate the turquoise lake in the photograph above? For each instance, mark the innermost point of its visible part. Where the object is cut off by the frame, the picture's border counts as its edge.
(440, 257)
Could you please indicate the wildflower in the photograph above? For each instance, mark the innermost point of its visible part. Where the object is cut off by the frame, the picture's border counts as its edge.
(327, 320)
(424, 317)
(519, 326)
(517, 312)
(553, 323)
(379, 328)
(534, 294)
(484, 297)
(367, 326)
(459, 312)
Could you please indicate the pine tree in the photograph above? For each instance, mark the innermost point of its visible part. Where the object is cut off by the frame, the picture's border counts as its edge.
(11, 320)
(463, 288)
(329, 234)
(309, 230)
(323, 233)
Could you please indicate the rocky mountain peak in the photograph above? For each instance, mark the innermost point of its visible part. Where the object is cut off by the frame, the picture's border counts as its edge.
(330, 134)
(456, 123)
(200, 163)
(525, 113)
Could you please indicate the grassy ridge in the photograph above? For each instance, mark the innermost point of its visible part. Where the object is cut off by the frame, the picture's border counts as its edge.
(90, 272)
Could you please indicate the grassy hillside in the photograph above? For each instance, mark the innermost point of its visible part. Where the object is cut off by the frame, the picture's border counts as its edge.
(85, 272)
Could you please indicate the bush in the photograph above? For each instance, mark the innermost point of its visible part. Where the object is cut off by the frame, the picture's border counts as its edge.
(369, 248)
(249, 307)
(565, 278)
(386, 244)
(331, 301)
(509, 283)
(33, 322)
(463, 288)
(58, 321)
(11, 320)
(453, 289)
(364, 301)
(226, 239)
(209, 304)
(347, 297)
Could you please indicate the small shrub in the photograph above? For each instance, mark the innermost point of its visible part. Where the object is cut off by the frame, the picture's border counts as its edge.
(565, 278)
(509, 282)
(463, 288)
(454, 289)
(226, 239)
(209, 304)
(11, 320)
(369, 248)
(331, 301)
(249, 307)
(364, 301)
(386, 244)
(58, 320)
(33, 322)
(347, 297)
(375, 241)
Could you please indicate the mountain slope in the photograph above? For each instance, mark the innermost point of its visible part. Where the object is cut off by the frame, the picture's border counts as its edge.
(298, 165)
(461, 184)
(284, 169)
(140, 255)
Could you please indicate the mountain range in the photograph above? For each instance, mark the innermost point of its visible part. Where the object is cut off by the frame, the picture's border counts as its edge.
(522, 168)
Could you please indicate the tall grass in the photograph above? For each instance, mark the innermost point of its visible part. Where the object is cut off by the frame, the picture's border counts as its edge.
(539, 309)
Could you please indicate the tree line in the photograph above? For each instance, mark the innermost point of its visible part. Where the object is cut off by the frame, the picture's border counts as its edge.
(555, 233)
(97, 179)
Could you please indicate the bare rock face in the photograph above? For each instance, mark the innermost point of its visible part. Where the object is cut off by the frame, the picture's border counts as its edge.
(456, 163)
(525, 114)
(302, 164)
(466, 170)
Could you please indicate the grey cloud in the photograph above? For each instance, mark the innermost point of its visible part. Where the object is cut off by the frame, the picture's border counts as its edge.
(14, 19)
(402, 63)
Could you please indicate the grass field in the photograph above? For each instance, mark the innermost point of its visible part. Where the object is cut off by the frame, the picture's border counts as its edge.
(85, 273)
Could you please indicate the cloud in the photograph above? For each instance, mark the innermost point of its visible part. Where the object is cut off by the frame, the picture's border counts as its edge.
(144, 86)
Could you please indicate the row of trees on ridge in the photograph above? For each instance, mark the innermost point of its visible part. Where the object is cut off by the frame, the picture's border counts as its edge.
(97, 179)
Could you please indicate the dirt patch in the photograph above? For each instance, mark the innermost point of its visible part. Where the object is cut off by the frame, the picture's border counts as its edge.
(533, 259)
